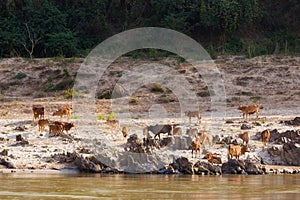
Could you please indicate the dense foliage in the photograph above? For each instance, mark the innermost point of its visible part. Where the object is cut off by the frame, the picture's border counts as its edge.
(44, 28)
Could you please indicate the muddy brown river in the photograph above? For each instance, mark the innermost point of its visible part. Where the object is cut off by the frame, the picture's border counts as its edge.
(97, 186)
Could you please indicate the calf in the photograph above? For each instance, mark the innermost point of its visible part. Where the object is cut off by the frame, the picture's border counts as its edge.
(55, 129)
(66, 126)
(38, 112)
(125, 131)
(265, 137)
(245, 137)
(42, 123)
(236, 151)
(191, 114)
(205, 138)
(158, 129)
(195, 146)
(113, 122)
(63, 111)
(248, 110)
(213, 158)
(177, 130)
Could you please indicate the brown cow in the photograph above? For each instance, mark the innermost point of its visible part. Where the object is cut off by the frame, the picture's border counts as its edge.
(236, 151)
(245, 137)
(113, 122)
(38, 112)
(63, 111)
(248, 110)
(55, 129)
(42, 123)
(66, 126)
(195, 146)
(191, 114)
(177, 130)
(125, 131)
(265, 137)
(213, 158)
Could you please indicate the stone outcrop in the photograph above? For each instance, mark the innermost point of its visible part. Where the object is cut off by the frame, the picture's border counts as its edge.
(290, 154)
(234, 166)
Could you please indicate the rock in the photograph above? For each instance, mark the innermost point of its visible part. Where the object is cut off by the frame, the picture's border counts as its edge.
(233, 167)
(19, 138)
(134, 144)
(227, 140)
(165, 141)
(20, 128)
(294, 122)
(235, 142)
(229, 122)
(251, 168)
(285, 137)
(274, 151)
(290, 154)
(88, 164)
(7, 163)
(245, 127)
(182, 165)
(4, 152)
(256, 123)
(167, 170)
(21, 141)
(181, 142)
(207, 168)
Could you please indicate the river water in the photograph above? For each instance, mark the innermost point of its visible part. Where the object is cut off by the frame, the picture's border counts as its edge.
(98, 186)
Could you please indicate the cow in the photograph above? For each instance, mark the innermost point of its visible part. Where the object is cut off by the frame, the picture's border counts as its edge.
(245, 137)
(177, 130)
(213, 158)
(38, 112)
(158, 129)
(195, 146)
(42, 123)
(205, 138)
(113, 122)
(191, 114)
(236, 151)
(66, 126)
(192, 132)
(265, 137)
(248, 110)
(55, 129)
(63, 111)
(125, 131)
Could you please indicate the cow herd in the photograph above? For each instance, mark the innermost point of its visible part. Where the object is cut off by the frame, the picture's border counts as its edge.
(199, 138)
(55, 127)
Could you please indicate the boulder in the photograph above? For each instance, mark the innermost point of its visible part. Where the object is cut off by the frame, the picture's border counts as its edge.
(7, 163)
(245, 127)
(290, 154)
(182, 165)
(207, 168)
(294, 122)
(233, 167)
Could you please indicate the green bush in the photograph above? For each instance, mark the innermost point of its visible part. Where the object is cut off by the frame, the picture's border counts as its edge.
(101, 117)
(156, 88)
(111, 116)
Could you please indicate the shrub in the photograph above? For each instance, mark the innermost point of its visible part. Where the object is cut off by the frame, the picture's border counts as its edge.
(111, 116)
(134, 100)
(156, 88)
(101, 117)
